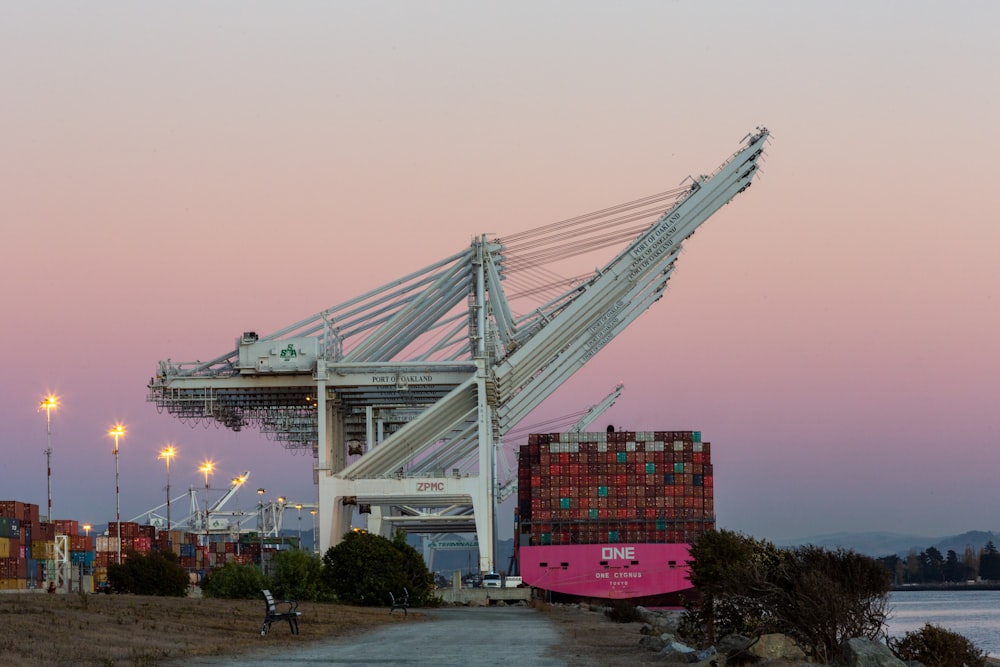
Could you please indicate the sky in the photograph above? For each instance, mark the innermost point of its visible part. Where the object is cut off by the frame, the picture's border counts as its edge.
(173, 175)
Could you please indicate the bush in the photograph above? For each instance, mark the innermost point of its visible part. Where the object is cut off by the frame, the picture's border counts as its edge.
(818, 597)
(156, 573)
(622, 611)
(296, 575)
(235, 582)
(936, 646)
(364, 568)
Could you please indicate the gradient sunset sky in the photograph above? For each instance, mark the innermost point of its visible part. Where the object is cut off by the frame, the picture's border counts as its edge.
(173, 175)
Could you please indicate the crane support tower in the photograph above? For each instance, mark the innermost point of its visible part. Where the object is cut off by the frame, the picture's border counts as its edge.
(403, 394)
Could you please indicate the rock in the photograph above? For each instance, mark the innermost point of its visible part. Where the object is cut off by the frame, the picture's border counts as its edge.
(776, 646)
(677, 652)
(733, 645)
(859, 652)
(651, 643)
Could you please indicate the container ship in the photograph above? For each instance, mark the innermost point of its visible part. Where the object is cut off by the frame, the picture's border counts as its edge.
(611, 515)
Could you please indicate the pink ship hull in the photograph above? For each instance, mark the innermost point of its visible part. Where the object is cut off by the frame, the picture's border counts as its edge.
(606, 570)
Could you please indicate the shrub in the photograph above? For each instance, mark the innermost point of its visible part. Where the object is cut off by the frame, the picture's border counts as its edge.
(936, 646)
(364, 568)
(296, 575)
(234, 581)
(622, 611)
(818, 597)
(156, 573)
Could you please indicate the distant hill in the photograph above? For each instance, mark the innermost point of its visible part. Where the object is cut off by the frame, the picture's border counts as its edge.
(879, 544)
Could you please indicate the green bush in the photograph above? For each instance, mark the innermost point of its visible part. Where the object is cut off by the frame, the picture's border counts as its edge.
(936, 646)
(155, 573)
(364, 568)
(235, 581)
(295, 575)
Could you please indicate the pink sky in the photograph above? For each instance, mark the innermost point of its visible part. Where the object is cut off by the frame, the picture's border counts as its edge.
(174, 176)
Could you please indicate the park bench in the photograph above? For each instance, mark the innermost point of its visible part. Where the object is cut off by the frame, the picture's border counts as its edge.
(272, 613)
(402, 603)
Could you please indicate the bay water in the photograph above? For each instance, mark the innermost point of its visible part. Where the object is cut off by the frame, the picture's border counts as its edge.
(972, 614)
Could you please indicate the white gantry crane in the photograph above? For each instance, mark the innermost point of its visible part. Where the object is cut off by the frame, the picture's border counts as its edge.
(403, 394)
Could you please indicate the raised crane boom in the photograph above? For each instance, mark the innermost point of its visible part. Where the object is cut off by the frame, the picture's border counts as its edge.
(596, 411)
(405, 392)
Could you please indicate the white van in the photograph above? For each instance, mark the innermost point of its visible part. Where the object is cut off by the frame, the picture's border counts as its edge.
(491, 580)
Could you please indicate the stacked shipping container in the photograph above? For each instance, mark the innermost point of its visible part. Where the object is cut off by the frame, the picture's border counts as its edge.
(28, 548)
(648, 493)
(596, 488)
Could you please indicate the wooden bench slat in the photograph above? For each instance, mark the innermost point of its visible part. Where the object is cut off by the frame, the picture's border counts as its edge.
(272, 614)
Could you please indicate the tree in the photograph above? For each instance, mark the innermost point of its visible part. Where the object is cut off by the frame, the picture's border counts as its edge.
(818, 597)
(971, 561)
(155, 573)
(364, 568)
(931, 565)
(989, 562)
(954, 569)
(235, 581)
(296, 575)
(822, 598)
(726, 568)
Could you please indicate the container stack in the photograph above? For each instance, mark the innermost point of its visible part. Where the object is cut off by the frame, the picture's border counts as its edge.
(615, 487)
(17, 523)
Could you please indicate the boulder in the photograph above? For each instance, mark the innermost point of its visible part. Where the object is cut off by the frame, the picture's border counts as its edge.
(776, 646)
(733, 645)
(677, 652)
(860, 652)
(660, 621)
(652, 643)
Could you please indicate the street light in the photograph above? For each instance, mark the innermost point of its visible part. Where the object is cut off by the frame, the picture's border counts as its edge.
(207, 467)
(298, 506)
(260, 521)
(118, 431)
(281, 515)
(239, 513)
(49, 403)
(168, 453)
(86, 528)
(315, 540)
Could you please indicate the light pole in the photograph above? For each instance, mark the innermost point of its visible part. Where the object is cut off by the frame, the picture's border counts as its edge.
(260, 520)
(86, 528)
(298, 506)
(48, 404)
(207, 467)
(315, 541)
(118, 431)
(281, 516)
(239, 513)
(168, 453)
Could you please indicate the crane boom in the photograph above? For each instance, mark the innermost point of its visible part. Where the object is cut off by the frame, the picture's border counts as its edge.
(404, 393)
(596, 411)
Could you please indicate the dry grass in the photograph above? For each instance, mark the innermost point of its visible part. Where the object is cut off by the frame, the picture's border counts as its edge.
(40, 629)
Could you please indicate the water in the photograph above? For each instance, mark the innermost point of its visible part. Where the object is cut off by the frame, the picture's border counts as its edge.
(972, 614)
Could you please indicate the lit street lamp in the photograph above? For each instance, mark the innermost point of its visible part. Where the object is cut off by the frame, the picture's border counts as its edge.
(48, 404)
(239, 513)
(281, 515)
(207, 467)
(86, 528)
(168, 453)
(118, 431)
(260, 521)
(315, 540)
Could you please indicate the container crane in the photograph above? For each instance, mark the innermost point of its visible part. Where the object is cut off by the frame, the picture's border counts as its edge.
(403, 394)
